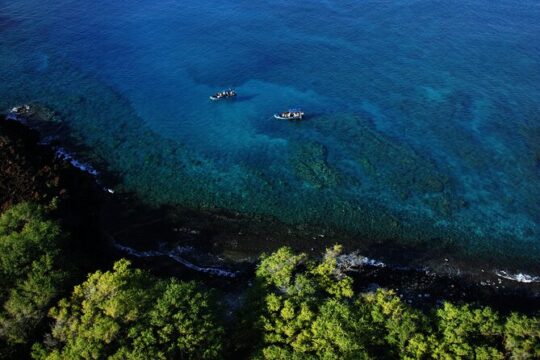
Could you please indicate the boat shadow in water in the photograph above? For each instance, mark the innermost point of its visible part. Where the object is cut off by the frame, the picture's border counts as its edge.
(245, 97)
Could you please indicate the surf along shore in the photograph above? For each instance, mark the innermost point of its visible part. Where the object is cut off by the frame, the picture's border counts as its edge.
(219, 247)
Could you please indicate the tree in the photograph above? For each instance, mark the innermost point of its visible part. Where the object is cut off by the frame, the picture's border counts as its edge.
(181, 325)
(25, 235)
(522, 337)
(340, 331)
(399, 331)
(467, 333)
(306, 312)
(30, 274)
(128, 314)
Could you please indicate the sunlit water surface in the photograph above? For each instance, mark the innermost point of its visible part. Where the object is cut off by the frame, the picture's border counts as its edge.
(423, 116)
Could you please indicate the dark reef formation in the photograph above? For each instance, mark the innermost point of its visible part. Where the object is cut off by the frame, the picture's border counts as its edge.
(30, 171)
(346, 178)
(310, 163)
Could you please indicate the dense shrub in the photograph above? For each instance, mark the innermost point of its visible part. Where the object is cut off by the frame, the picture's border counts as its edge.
(307, 310)
(128, 314)
(296, 308)
(30, 274)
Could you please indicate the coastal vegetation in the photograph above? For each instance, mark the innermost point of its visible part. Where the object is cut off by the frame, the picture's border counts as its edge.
(60, 298)
(297, 307)
(127, 314)
(31, 273)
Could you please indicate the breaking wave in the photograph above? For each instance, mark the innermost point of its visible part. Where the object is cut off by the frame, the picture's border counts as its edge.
(175, 254)
(519, 277)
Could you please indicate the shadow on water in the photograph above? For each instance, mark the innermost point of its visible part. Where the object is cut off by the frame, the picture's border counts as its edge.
(244, 98)
(231, 242)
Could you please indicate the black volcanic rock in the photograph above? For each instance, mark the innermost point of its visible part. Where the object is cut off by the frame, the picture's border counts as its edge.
(32, 172)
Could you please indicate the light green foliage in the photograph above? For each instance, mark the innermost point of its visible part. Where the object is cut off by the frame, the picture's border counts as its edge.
(330, 278)
(467, 333)
(29, 276)
(340, 331)
(294, 274)
(305, 311)
(93, 323)
(308, 311)
(329, 331)
(522, 337)
(298, 308)
(400, 330)
(277, 269)
(128, 314)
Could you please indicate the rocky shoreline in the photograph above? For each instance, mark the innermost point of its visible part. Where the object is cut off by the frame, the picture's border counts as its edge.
(218, 247)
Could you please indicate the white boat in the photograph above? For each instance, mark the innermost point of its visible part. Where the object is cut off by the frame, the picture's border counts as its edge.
(225, 94)
(291, 114)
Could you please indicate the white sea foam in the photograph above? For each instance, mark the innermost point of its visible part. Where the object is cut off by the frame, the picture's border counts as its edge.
(63, 154)
(175, 255)
(373, 262)
(353, 261)
(519, 277)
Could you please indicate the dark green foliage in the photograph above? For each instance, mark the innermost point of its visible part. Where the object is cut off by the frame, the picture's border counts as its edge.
(29, 274)
(297, 308)
(128, 314)
(466, 333)
(25, 235)
(522, 337)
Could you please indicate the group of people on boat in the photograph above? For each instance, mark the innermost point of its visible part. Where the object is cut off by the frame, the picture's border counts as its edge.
(225, 94)
(291, 114)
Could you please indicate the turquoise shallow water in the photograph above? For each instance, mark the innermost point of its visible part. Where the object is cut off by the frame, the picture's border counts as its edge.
(423, 116)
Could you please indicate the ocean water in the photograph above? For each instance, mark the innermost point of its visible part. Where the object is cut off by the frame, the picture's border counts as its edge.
(423, 117)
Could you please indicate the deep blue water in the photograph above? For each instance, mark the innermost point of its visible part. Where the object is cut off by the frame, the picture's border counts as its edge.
(423, 116)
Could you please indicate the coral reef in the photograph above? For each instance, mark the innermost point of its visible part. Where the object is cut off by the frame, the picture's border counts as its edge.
(310, 164)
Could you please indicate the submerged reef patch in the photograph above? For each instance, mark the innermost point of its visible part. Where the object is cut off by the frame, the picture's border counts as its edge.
(391, 166)
(371, 186)
(309, 160)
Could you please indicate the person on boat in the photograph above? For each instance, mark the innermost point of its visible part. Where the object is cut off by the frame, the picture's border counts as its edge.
(291, 114)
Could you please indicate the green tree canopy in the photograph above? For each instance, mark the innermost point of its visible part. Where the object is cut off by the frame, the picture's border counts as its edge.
(25, 235)
(522, 337)
(307, 309)
(128, 314)
(306, 312)
(30, 278)
(467, 333)
(398, 330)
